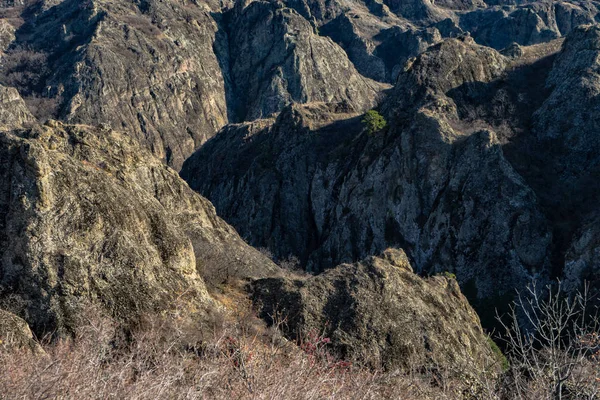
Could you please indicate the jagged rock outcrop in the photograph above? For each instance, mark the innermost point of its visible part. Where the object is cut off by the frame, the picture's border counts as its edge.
(15, 334)
(527, 24)
(145, 67)
(13, 110)
(378, 47)
(276, 58)
(90, 218)
(7, 34)
(422, 11)
(378, 312)
(172, 73)
(315, 185)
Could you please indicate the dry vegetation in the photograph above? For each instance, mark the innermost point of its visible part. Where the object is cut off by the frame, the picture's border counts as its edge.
(167, 358)
(236, 357)
(28, 70)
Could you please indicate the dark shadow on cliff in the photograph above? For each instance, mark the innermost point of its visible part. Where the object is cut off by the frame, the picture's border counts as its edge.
(222, 50)
(508, 106)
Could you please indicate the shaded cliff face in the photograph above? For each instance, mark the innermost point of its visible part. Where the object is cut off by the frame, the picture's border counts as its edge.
(91, 218)
(527, 24)
(378, 312)
(445, 181)
(277, 58)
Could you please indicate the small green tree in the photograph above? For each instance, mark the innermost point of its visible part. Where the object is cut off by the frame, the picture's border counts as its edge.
(374, 122)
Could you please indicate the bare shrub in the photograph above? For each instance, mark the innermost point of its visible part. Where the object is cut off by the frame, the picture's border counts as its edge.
(291, 263)
(43, 108)
(169, 356)
(557, 355)
(24, 69)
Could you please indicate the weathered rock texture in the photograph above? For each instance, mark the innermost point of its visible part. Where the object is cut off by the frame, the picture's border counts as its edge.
(276, 58)
(568, 157)
(91, 218)
(378, 312)
(379, 47)
(312, 183)
(487, 167)
(146, 67)
(15, 334)
(13, 110)
(172, 73)
(527, 24)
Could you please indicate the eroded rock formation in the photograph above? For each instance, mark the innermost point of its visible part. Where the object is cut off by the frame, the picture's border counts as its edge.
(378, 312)
(90, 217)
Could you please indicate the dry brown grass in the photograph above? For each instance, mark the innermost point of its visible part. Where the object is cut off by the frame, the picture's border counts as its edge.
(234, 356)
(169, 357)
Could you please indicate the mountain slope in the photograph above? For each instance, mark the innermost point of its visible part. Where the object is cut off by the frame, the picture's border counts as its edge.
(91, 218)
(436, 182)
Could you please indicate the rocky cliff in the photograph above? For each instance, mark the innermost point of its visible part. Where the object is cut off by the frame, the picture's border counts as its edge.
(93, 223)
(91, 218)
(315, 184)
(277, 58)
(172, 73)
(144, 67)
(486, 168)
(378, 312)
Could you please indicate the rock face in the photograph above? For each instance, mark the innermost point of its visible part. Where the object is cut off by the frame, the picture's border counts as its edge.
(314, 184)
(566, 129)
(379, 48)
(91, 218)
(172, 73)
(13, 110)
(378, 312)
(527, 24)
(567, 133)
(15, 333)
(142, 67)
(276, 58)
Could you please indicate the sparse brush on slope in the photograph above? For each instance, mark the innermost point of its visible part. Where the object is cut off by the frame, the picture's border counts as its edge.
(553, 343)
(167, 357)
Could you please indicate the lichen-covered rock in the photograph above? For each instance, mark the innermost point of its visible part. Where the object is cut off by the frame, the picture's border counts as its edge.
(378, 312)
(15, 334)
(91, 218)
